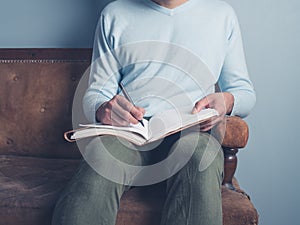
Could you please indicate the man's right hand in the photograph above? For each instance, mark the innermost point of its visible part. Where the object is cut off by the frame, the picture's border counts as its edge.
(119, 112)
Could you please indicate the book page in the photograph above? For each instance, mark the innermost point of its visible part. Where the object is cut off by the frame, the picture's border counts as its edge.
(135, 128)
(175, 119)
(159, 126)
(93, 132)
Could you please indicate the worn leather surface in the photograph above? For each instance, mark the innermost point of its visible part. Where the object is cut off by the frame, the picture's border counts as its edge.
(146, 205)
(232, 132)
(36, 162)
(36, 107)
(29, 188)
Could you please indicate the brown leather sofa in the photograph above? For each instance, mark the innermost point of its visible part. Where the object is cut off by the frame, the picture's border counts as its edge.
(36, 93)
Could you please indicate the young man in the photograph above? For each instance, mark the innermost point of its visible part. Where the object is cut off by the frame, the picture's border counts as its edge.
(155, 46)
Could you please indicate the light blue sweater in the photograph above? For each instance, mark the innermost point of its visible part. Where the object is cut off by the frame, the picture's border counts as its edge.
(168, 57)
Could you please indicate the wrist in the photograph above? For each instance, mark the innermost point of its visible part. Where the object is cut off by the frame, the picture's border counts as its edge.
(229, 102)
(99, 112)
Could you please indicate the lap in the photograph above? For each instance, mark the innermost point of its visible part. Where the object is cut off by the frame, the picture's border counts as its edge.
(123, 163)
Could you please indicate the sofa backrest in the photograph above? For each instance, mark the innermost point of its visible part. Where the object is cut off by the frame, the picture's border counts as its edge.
(36, 94)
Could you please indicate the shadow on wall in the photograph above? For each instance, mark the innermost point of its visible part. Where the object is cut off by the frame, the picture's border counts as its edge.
(102, 3)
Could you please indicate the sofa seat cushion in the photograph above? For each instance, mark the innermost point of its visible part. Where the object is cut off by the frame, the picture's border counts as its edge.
(145, 204)
(29, 188)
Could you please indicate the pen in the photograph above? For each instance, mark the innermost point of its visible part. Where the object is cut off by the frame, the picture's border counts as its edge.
(126, 95)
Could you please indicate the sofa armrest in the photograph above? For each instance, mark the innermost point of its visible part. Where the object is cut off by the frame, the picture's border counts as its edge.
(232, 133)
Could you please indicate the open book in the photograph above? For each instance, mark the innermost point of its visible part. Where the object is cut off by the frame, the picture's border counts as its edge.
(159, 126)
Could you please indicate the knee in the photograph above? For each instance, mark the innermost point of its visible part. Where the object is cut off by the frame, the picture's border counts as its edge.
(105, 151)
(206, 154)
(91, 183)
(209, 154)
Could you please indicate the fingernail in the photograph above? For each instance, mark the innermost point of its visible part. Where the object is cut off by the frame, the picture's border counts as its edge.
(194, 110)
(140, 116)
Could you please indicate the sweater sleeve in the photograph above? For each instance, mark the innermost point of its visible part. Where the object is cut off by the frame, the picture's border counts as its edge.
(103, 76)
(234, 76)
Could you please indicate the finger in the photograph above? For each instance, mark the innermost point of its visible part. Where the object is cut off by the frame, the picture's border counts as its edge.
(210, 124)
(124, 113)
(108, 116)
(142, 110)
(209, 121)
(116, 120)
(206, 128)
(136, 112)
(121, 109)
(124, 103)
(203, 103)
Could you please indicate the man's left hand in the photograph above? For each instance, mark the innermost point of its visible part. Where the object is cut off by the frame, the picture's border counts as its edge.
(222, 102)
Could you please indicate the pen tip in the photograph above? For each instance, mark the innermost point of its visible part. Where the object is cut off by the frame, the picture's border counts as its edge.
(141, 123)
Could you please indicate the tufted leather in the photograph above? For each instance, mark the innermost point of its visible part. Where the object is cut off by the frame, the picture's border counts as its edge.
(36, 107)
(36, 93)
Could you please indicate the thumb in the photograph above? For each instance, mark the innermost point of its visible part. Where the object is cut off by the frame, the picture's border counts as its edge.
(203, 103)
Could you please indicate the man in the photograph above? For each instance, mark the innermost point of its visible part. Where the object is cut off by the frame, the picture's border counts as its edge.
(128, 32)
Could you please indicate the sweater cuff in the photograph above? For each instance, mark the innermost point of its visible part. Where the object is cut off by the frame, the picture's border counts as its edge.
(241, 106)
(90, 108)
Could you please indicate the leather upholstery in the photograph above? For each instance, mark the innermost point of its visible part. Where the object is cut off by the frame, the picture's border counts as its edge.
(29, 188)
(36, 107)
(232, 132)
(36, 93)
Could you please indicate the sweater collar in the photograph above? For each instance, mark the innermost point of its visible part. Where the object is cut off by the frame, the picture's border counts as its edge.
(167, 11)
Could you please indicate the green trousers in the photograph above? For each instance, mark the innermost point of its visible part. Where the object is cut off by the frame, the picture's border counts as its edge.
(193, 191)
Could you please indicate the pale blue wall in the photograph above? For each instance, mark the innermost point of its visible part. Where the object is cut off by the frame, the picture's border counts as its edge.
(268, 167)
(48, 23)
